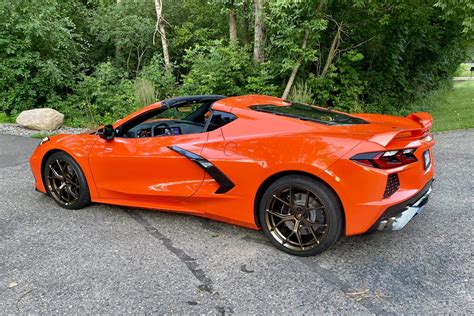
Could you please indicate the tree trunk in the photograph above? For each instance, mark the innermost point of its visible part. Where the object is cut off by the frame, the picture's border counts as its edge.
(332, 51)
(232, 23)
(117, 39)
(259, 38)
(160, 28)
(245, 24)
(296, 67)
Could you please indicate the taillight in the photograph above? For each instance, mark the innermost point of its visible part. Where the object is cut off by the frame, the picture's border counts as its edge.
(386, 159)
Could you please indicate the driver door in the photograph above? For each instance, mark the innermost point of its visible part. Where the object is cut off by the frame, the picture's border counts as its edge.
(146, 169)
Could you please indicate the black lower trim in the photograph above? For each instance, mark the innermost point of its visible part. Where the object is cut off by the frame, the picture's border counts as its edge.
(225, 184)
(400, 207)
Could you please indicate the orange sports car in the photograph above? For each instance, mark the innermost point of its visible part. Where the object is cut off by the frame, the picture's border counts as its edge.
(305, 175)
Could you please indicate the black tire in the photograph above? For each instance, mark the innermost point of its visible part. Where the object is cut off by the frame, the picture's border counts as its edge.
(312, 223)
(65, 182)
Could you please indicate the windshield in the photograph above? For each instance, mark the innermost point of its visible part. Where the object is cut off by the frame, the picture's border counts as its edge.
(309, 113)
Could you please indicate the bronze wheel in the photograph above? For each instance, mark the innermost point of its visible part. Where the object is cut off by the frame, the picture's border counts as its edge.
(65, 182)
(300, 215)
(62, 182)
(296, 218)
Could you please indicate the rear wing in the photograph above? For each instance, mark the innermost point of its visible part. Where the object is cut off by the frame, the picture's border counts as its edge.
(424, 119)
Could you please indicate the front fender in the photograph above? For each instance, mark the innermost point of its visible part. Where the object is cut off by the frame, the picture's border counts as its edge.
(77, 146)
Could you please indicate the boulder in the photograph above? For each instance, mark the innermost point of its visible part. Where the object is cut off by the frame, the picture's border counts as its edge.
(44, 119)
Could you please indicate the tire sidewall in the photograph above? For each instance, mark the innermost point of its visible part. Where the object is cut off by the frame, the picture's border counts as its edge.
(328, 198)
(84, 196)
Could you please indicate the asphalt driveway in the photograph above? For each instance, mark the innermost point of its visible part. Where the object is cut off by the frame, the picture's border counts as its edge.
(106, 259)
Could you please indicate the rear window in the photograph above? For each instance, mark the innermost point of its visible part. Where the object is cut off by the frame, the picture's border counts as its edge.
(309, 113)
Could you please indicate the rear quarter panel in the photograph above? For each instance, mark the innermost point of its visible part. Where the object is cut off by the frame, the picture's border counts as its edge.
(257, 146)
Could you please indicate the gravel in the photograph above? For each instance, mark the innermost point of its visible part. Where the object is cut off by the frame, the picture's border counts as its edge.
(17, 130)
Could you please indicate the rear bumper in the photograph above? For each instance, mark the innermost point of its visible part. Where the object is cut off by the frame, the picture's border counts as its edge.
(361, 189)
(397, 216)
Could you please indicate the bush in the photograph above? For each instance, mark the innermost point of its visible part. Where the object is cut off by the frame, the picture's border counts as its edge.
(108, 94)
(342, 86)
(301, 93)
(39, 57)
(105, 96)
(463, 70)
(144, 92)
(164, 83)
(228, 70)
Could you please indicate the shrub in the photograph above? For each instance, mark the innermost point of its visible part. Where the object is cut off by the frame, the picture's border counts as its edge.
(463, 70)
(228, 70)
(144, 92)
(164, 83)
(301, 92)
(105, 96)
(342, 87)
(40, 53)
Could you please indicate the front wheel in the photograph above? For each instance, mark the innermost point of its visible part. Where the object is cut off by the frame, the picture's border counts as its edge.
(65, 182)
(300, 215)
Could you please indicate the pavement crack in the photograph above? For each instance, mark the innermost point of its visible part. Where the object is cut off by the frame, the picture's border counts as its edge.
(345, 287)
(190, 262)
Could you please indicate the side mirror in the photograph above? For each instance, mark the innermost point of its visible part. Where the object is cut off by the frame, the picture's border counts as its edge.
(107, 132)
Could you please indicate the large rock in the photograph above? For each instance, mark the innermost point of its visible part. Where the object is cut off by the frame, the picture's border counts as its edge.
(45, 119)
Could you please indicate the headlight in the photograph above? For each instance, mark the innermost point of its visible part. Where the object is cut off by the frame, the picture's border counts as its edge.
(44, 140)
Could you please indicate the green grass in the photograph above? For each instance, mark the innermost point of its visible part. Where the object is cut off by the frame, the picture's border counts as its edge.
(464, 74)
(454, 108)
(5, 119)
(42, 135)
(463, 71)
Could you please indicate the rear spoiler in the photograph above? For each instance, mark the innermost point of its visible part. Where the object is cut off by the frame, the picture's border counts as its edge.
(424, 119)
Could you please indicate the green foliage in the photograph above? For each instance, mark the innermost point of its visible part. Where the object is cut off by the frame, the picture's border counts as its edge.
(4, 118)
(464, 70)
(127, 29)
(411, 48)
(41, 52)
(104, 96)
(453, 109)
(342, 86)
(450, 105)
(108, 94)
(41, 135)
(301, 93)
(97, 60)
(164, 83)
(287, 22)
(224, 70)
(144, 92)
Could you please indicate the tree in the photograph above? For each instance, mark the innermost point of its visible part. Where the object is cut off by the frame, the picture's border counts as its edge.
(160, 28)
(129, 26)
(245, 23)
(40, 59)
(232, 22)
(296, 67)
(259, 29)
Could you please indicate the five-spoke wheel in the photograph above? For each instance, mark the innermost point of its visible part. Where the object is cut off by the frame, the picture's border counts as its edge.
(300, 215)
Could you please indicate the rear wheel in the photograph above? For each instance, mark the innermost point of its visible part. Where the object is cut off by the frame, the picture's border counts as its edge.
(65, 182)
(300, 216)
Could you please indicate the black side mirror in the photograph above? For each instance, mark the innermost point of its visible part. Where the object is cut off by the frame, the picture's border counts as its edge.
(107, 132)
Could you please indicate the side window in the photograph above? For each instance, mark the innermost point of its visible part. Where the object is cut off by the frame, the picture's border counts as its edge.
(220, 119)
